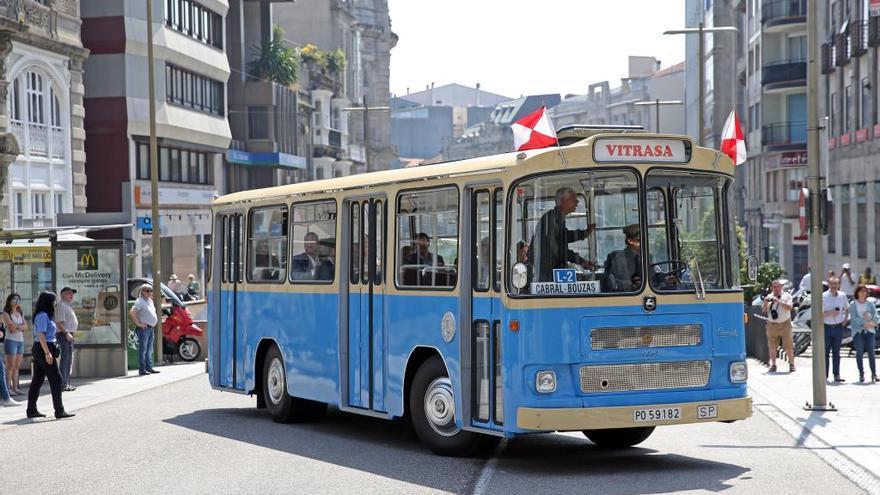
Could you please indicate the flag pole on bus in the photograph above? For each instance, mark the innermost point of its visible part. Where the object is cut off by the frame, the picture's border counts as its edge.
(535, 131)
(733, 144)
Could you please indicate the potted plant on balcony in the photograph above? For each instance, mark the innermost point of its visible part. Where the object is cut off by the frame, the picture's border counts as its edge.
(313, 57)
(336, 61)
(275, 61)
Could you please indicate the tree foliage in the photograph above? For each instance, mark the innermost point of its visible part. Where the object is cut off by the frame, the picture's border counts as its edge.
(274, 61)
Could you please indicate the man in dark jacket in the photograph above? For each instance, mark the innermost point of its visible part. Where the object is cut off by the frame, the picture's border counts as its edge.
(548, 248)
(623, 268)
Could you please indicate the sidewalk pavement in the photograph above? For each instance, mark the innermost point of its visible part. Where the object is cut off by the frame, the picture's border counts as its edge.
(92, 391)
(853, 430)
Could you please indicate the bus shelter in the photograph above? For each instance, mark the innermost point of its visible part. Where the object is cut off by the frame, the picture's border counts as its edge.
(40, 259)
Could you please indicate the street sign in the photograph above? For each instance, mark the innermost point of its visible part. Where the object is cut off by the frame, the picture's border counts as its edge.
(145, 223)
(147, 231)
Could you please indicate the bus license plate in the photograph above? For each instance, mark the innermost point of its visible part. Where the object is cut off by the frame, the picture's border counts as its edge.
(657, 414)
(707, 411)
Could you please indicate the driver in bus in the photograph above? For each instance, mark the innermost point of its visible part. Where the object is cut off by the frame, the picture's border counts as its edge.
(623, 268)
(548, 248)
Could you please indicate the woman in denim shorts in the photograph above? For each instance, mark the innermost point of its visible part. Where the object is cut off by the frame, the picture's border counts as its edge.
(16, 325)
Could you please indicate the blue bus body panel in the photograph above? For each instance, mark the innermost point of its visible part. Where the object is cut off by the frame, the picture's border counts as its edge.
(306, 327)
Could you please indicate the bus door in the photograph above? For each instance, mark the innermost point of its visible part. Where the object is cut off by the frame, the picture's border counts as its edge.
(366, 308)
(486, 257)
(231, 277)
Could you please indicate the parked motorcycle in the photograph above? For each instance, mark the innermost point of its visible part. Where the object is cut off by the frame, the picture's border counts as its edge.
(179, 333)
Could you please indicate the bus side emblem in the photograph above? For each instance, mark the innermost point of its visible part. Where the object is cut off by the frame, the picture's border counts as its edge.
(447, 326)
(649, 303)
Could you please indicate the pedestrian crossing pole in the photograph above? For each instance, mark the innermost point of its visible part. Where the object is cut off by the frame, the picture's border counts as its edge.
(814, 183)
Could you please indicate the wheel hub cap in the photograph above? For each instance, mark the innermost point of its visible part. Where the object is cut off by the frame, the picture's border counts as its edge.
(440, 407)
(275, 381)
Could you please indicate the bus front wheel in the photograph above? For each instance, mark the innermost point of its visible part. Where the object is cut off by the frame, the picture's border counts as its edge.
(619, 438)
(283, 407)
(432, 412)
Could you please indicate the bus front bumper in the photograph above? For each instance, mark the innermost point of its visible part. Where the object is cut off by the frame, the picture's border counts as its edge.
(598, 418)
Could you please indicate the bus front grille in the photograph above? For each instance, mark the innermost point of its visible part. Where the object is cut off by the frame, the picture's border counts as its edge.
(647, 376)
(650, 336)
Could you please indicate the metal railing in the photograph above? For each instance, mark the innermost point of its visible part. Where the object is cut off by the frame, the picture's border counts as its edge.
(784, 133)
(859, 37)
(784, 11)
(784, 71)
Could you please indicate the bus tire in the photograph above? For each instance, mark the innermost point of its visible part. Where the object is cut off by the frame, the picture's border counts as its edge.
(619, 438)
(280, 404)
(432, 414)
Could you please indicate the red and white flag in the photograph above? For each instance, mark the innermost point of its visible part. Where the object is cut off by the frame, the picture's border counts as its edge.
(533, 131)
(732, 142)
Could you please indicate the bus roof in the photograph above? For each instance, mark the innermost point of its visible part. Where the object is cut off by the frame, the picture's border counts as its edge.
(446, 169)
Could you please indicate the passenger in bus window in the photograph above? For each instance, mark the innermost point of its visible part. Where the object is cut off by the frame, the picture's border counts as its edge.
(422, 254)
(326, 260)
(623, 268)
(522, 252)
(305, 265)
(549, 245)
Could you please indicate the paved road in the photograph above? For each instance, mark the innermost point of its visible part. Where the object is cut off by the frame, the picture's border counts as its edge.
(186, 438)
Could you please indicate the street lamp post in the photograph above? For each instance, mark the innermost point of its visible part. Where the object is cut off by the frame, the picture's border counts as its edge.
(366, 109)
(154, 185)
(701, 60)
(657, 103)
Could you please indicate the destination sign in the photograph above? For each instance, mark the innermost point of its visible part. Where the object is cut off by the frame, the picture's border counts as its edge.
(627, 150)
(565, 289)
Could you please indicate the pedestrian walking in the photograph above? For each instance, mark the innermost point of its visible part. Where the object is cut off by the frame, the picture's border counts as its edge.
(45, 353)
(67, 325)
(777, 306)
(806, 280)
(13, 321)
(143, 314)
(834, 313)
(847, 282)
(863, 321)
(192, 287)
(867, 278)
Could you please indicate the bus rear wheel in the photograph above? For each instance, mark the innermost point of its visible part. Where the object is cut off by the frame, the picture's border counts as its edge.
(283, 407)
(619, 438)
(432, 413)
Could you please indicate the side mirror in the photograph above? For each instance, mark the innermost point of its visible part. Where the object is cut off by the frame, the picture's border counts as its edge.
(519, 275)
(752, 268)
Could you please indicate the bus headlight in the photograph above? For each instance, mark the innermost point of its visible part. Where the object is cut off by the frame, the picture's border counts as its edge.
(545, 382)
(739, 372)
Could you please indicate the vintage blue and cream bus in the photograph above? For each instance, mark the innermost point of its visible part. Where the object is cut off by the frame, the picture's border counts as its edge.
(591, 286)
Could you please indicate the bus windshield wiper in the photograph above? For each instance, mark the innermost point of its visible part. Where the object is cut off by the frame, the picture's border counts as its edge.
(699, 288)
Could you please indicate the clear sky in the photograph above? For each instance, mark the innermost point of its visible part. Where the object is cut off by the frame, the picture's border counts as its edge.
(519, 47)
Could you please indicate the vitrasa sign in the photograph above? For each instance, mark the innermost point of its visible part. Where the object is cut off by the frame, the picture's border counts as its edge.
(641, 151)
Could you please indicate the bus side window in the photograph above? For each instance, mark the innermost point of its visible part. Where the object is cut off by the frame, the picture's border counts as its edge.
(313, 246)
(355, 253)
(267, 244)
(429, 246)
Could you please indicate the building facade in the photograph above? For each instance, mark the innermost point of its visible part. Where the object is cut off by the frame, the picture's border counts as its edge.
(191, 71)
(42, 155)
(850, 75)
(646, 82)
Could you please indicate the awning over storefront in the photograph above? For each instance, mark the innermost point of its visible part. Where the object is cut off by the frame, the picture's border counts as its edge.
(266, 159)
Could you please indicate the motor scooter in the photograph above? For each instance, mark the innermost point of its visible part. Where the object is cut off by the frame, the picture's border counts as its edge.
(179, 334)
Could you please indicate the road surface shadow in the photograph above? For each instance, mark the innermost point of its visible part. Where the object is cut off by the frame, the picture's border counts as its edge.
(381, 447)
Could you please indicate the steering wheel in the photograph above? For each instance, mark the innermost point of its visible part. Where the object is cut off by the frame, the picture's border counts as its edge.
(677, 269)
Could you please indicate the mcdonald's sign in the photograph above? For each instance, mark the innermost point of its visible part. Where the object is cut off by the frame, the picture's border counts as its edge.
(87, 259)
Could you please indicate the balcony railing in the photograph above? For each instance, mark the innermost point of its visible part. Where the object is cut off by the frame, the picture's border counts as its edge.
(874, 31)
(859, 37)
(827, 58)
(843, 48)
(784, 71)
(784, 133)
(777, 12)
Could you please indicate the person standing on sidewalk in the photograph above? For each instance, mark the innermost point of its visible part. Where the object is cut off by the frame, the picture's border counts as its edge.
(847, 282)
(867, 278)
(863, 319)
(67, 325)
(6, 399)
(143, 314)
(777, 306)
(16, 326)
(45, 352)
(834, 313)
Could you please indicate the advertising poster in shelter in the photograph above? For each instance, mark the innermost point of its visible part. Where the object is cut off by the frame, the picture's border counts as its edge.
(95, 272)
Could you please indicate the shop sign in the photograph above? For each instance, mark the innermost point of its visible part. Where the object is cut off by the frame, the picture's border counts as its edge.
(96, 273)
(36, 254)
(785, 159)
(173, 196)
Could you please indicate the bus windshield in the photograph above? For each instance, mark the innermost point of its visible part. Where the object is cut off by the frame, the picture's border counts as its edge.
(686, 236)
(577, 232)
